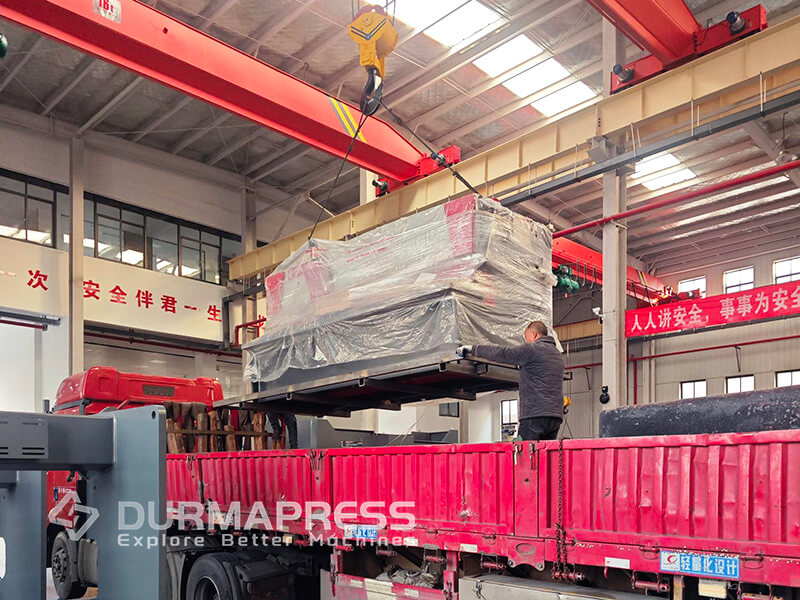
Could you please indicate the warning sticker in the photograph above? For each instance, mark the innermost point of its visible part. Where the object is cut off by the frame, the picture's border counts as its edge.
(109, 9)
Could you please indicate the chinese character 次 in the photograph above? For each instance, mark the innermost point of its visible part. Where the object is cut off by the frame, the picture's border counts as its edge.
(37, 279)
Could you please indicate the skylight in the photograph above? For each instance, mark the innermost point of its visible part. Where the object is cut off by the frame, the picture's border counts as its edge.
(669, 179)
(655, 163)
(537, 78)
(561, 100)
(507, 56)
(462, 24)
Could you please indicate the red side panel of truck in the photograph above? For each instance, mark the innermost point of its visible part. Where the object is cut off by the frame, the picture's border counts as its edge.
(629, 503)
(267, 477)
(452, 488)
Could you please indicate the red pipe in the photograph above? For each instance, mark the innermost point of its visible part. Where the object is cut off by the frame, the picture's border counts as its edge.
(19, 324)
(712, 189)
(161, 344)
(253, 323)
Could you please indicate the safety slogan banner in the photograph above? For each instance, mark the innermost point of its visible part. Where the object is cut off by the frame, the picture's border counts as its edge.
(759, 303)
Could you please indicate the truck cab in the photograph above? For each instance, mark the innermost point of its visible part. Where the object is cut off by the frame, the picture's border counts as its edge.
(97, 390)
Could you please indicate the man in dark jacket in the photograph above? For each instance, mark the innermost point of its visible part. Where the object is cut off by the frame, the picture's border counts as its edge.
(541, 377)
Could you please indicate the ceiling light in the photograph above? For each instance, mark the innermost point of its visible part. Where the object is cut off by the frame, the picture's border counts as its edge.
(162, 265)
(189, 271)
(654, 164)
(563, 99)
(464, 23)
(669, 179)
(509, 55)
(536, 78)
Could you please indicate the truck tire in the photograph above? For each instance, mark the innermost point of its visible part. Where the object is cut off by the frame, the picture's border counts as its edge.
(208, 579)
(65, 571)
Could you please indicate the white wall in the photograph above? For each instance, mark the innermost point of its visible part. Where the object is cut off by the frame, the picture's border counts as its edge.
(156, 185)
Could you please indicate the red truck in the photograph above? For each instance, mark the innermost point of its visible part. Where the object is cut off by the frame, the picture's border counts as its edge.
(690, 516)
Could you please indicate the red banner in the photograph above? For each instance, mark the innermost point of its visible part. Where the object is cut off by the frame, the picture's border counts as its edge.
(759, 303)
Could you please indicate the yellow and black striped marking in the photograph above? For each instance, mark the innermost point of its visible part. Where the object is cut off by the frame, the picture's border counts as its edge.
(346, 118)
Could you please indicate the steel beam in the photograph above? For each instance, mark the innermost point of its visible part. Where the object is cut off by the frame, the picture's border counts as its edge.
(79, 74)
(662, 112)
(101, 114)
(166, 50)
(759, 134)
(12, 74)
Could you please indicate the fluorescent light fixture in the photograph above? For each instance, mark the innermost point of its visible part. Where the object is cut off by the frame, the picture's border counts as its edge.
(40, 237)
(669, 179)
(562, 100)
(89, 243)
(654, 164)
(131, 257)
(507, 56)
(537, 78)
(188, 271)
(163, 265)
(464, 23)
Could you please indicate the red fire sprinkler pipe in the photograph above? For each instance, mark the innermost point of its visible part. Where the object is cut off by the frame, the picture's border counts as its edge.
(680, 198)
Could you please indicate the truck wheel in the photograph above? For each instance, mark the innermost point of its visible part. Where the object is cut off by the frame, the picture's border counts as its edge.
(65, 577)
(208, 579)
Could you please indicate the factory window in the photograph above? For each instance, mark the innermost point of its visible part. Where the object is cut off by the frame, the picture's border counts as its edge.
(786, 270)
(690, 285)
(693, 389)
(122, 233)
(449, 409)
(739, 383)
(27, 208)
(509, 417)
(787, 378)
(738, 280)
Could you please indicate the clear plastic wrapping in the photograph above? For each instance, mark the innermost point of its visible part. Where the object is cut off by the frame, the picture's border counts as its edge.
(466, 272)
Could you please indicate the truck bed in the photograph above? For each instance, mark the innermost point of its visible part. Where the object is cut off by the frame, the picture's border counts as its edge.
(641, 504)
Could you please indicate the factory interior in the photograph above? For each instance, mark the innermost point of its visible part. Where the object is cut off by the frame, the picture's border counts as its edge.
(451, 300)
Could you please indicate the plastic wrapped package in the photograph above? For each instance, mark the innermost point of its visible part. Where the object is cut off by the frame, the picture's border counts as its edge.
(409, 292)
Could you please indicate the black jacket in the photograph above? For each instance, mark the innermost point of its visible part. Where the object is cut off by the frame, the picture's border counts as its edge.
(541, 375)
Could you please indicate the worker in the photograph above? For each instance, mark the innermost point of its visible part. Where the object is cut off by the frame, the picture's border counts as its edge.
(276, 421)
(541, 376)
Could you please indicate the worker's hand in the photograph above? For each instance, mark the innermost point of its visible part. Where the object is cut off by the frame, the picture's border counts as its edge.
(463, 351)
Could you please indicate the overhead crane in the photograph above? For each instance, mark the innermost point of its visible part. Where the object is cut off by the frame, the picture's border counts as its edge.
(139, 38)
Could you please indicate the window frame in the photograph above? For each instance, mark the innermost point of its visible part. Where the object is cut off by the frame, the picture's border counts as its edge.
(42, 183)
(694, 383)
(792, 275)
(703, 292)
(181, 224)
(752, 283)
(446, 409)
(740, 378)
(790, 372)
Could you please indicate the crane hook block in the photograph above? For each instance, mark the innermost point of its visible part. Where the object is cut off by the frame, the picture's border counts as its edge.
(375, 35)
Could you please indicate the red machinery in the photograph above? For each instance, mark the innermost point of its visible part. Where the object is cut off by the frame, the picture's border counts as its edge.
(668, 30)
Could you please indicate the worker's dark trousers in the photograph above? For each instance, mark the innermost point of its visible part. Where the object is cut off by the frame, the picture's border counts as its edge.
(539, 428)
(291, 426)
